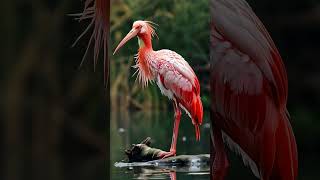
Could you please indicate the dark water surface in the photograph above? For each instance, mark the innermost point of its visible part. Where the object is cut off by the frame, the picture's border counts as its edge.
(94, 168)
(133, 127)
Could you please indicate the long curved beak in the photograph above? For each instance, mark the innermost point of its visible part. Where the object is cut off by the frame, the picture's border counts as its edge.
(129, 36)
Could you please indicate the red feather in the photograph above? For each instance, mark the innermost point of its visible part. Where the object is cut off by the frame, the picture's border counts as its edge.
(249, 93)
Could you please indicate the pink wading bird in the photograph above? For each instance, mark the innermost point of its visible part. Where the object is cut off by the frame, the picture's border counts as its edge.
(249, 92)
(173, 75)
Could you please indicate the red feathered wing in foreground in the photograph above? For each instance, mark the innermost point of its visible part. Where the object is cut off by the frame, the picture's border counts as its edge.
(248, 95)
(98, 11)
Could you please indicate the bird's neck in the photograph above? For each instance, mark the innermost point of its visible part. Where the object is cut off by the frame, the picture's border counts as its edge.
(143, 60)
(144, 42)
(145, 49)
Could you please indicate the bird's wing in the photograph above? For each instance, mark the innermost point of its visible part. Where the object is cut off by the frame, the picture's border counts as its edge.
(237, 23)
(242, 106)
(177, 73)
(249, 87)
(241, 94)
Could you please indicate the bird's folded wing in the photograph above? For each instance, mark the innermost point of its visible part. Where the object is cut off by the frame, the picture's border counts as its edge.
(235, 21)
(241, 94)
(177, 73)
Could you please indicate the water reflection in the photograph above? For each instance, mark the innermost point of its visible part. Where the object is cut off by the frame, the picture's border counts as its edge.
(169, 172)
(147, 173)
(157, 173)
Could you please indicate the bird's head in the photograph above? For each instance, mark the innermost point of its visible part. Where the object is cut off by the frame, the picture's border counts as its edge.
(145, 30)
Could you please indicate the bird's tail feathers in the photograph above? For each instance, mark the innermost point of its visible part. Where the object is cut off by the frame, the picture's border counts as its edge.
(286, 162)
(197, 115)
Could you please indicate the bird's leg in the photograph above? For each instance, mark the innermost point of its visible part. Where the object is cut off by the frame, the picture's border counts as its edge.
(220, 163)
(177, 115)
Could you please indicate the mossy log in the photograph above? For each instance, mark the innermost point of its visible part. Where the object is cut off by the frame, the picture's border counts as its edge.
(142, 155)
(142, 152)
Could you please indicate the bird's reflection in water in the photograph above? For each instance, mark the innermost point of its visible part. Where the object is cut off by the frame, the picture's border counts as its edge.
(152, 173)
(167, 172)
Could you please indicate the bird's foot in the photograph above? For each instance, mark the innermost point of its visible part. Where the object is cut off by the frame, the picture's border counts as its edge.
(165, 154)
